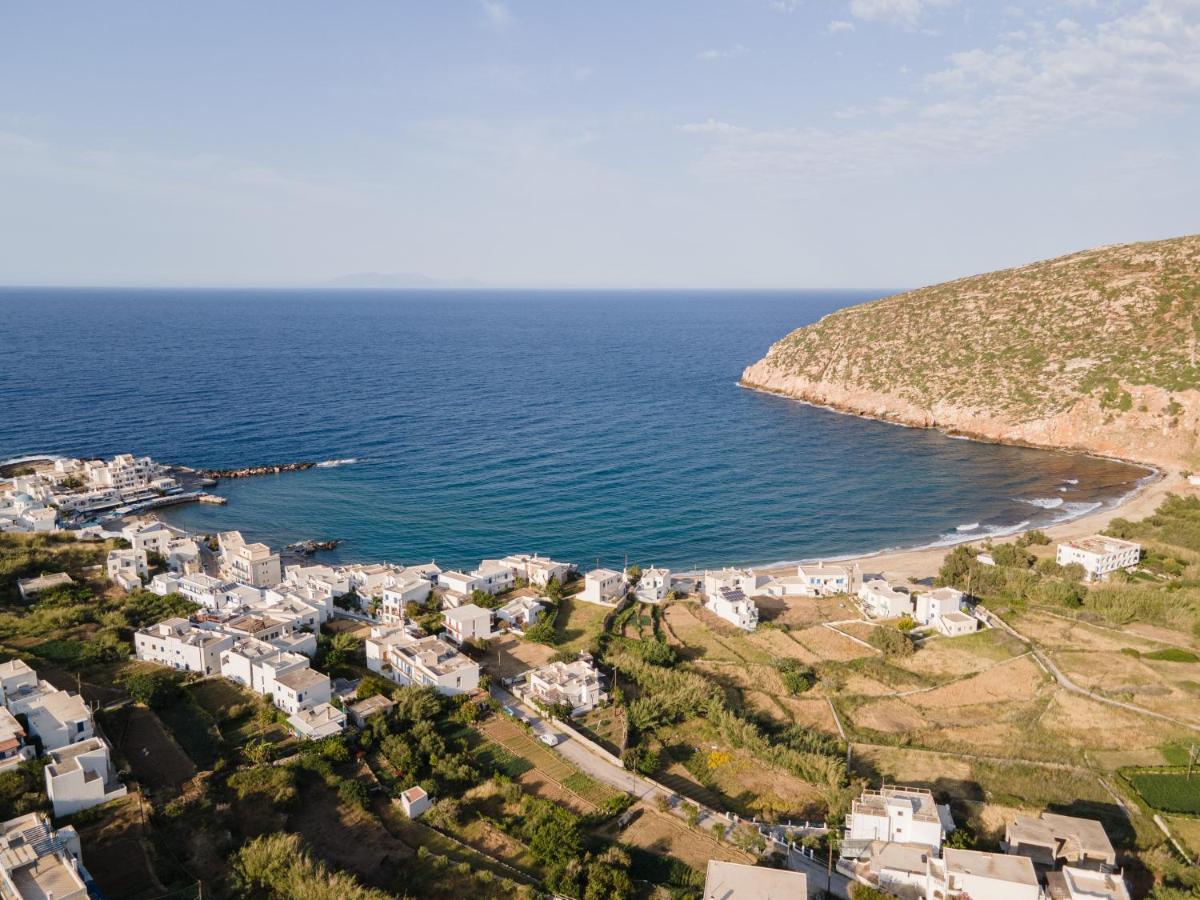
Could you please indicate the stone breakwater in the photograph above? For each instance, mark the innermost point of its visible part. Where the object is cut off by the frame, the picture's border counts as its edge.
(252, 471)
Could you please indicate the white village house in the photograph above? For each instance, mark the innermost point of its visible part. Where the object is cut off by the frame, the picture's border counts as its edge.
(882, 600)
(603, 586)
(654, 585)
(253, 564)
(575, 684)
(734, 607)
(81, 776)
(127, 568)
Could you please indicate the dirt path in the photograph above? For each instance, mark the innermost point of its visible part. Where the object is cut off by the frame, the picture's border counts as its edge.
(1049, 665)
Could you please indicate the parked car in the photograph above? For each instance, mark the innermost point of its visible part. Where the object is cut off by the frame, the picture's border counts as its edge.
(550, 739)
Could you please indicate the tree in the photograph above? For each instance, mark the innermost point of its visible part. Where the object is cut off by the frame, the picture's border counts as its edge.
(891, 642)
(541, 631)
(341, 649)
(633, 575)
(257, 752)
(642, 760)
(608, 876)
(156, 690)
(551, 831)
(796, 677)
(349, 601)
(279, 866)
(553, 589)
(1012, 556)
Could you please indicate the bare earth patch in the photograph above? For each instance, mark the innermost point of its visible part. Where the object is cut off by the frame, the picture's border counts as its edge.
(889, 715)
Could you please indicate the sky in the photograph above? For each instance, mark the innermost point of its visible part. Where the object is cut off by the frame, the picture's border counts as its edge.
(542, 143)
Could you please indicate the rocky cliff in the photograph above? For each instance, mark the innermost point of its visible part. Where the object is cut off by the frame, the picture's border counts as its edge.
(1095, 351)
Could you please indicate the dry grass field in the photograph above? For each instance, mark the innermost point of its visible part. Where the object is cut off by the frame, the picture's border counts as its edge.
(509, 656)
(666, 835)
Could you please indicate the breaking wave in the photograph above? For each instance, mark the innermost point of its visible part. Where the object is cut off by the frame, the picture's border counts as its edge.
(331, 463)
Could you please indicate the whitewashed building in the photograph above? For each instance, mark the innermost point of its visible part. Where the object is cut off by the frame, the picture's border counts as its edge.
(468, 623)
(1100, 556)
(929, 606)
(81, 776)
(320, 721)
(744, 580)
(900, 815)
(734, 607)
(538, 570)
(956, 624)
(127, 568)
(39, 862)
(737, 881)
(883, 600)
(13, 749)
(460, 582)
(57, 718)
(520, 612)
(415, 801)
(406, 659)
(819, 580)
(576, 684)
(149, 536)
(603, 586)
(179, 644)
(654, 585)
(981, 876)
(253, 564)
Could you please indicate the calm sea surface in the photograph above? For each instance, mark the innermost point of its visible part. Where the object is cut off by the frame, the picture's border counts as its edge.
(586, 425)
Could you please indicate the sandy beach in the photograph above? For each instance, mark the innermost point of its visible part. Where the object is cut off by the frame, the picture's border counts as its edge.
(924, 562)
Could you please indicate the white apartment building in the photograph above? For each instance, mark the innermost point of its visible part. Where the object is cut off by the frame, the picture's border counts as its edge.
(898, 815)
(468, 623)
(981, 876)
(394, 653)
(576, 684)
(1099, 555)
(81, 776)
(127, 474)
(884, 601)
(740, 579)
(13, 749)
(127, 568)
(179, 644)
(201, 589)
(603, 586)
(654, 585)
(929, 606)
(252, 564)
(368, 579)
(734, 607)
(38, 862)
(324, 582)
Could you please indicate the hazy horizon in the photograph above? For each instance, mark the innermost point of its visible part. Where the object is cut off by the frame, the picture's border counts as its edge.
(724, 144)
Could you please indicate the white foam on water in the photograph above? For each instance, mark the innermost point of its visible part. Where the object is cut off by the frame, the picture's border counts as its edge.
(331, 463)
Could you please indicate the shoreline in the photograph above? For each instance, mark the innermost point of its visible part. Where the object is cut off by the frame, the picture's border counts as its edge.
(924, 562)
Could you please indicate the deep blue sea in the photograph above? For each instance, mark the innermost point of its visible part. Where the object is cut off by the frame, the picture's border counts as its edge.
(585, 425)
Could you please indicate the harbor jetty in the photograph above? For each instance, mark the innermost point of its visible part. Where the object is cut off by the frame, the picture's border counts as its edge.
(252, 471)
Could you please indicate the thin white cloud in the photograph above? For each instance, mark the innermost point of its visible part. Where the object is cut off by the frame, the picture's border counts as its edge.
(497, 13)
(838, 25)
(712, 126)
(723, 53)
(905, 13)
(986, 101)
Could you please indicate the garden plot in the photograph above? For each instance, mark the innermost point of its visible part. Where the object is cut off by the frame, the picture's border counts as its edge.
(1018, 679)
(828, 644)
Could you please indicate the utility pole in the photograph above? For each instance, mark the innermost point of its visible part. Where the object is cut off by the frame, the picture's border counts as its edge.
(828, 864)
(1192, 751)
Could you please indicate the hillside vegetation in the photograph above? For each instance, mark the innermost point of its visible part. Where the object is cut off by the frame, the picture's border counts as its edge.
(1094, 351)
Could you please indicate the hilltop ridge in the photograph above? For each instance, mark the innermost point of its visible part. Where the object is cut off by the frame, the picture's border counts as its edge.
(1094, 351)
